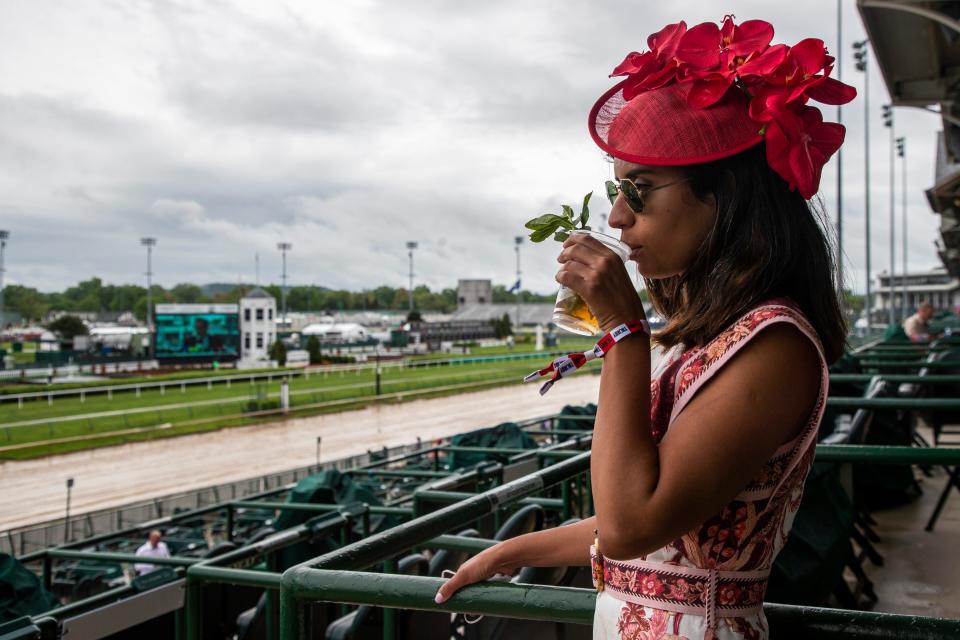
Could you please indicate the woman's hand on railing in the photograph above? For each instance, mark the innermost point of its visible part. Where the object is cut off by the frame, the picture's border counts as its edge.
(480, 567)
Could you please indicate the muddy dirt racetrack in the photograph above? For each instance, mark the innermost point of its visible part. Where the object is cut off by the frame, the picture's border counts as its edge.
(33, 490)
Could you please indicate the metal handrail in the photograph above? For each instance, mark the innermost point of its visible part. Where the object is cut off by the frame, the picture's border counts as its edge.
(329, 577)
(854, 402)
(381, 546)
(576, 606)
(933, 378)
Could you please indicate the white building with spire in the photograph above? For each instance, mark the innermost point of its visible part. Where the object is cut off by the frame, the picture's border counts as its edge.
(258, 325)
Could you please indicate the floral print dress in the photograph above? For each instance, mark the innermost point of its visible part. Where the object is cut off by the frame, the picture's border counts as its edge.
(710, 582)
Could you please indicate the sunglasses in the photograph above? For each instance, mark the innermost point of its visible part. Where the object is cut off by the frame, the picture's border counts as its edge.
(632, 193)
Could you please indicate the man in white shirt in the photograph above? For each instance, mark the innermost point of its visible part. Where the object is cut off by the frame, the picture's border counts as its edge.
(152, 548)
(917, 326)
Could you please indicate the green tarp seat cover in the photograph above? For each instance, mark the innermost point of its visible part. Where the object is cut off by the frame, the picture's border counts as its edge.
(507, 435)
(21, 593)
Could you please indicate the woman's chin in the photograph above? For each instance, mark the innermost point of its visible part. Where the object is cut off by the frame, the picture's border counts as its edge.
(653, 272)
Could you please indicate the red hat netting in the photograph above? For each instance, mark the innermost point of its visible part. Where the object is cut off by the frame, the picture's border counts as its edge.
(657, 127)
(710, 92)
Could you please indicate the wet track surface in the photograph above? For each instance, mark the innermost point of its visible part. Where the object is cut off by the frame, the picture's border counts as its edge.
(33, 490)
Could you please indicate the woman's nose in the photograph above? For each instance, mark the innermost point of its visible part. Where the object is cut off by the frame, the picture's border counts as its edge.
(621, 216)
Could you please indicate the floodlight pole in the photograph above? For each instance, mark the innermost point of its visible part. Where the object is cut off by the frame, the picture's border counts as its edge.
(3, 245)
(410, 247)
(888, 122)
(284, 247)
(860, 55)
(149, 243)
(839, 265)
(902, 152)
(518, 240)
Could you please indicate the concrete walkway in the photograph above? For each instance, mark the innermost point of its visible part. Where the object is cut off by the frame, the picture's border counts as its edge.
(920, 575)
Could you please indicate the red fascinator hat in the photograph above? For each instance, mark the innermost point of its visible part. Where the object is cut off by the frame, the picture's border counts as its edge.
(710, 92)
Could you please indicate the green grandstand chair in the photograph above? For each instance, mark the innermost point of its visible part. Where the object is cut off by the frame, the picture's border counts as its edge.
(525, 520)
(507, 435)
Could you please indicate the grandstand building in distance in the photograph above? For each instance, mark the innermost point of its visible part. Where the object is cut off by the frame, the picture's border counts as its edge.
(936, 286)
(475, 305)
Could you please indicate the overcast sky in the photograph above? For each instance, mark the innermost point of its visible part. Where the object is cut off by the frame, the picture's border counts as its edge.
(347, 129)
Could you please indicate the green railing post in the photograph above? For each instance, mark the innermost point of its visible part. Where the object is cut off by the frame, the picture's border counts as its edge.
(47, 571)
(193, 601)
(389, 619)
(230, 522)
(272, 608)
(291, 614)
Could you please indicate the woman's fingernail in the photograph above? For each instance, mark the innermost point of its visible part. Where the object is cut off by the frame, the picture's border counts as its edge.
(438, 598)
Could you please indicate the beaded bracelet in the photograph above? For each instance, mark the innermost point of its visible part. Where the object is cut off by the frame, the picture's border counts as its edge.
(565, 365)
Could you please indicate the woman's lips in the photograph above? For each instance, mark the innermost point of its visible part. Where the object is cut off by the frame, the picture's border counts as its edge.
(635, 253)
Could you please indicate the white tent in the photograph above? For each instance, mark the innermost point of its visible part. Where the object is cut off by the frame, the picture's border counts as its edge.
(336, 332)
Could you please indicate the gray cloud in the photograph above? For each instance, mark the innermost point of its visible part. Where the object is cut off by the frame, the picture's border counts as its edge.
(223, 128)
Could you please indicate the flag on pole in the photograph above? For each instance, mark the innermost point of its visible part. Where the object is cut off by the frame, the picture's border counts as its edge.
(515, 287)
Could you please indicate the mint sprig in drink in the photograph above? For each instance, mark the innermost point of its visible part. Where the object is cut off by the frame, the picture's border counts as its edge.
(571, 312)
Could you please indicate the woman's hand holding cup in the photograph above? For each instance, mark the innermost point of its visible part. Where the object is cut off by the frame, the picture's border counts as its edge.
(598, 275)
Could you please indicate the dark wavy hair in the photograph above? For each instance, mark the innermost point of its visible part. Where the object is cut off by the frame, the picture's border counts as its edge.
(767, 242)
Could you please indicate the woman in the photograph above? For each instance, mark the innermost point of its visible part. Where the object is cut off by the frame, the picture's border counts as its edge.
(696, 481)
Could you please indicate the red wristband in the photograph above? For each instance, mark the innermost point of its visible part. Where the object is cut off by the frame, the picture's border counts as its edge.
(565, 365)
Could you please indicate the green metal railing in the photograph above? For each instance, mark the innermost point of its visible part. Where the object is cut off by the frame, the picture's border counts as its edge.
(370, 551)
(429, 531)
(334, 577)
(310, 581)
(932, 378)
(576, 606)
(880, 365)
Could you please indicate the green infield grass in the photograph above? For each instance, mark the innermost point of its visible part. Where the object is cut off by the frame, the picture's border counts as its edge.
(39, 427)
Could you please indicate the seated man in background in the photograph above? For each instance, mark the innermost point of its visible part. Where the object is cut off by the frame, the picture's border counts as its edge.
(152, 548)
(917, 326)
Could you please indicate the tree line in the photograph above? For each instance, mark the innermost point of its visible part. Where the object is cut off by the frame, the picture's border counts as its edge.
(94, 296)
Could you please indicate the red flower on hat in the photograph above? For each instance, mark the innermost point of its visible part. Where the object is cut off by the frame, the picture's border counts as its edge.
(800, 73)
(779, 79)
(704, 46)
(710, 86)
(799, 143)
(655, 68)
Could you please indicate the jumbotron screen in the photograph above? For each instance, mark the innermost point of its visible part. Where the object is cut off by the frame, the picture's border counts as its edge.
(197, 335)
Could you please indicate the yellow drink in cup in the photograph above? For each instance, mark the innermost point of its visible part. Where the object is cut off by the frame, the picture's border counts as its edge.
(571, 313)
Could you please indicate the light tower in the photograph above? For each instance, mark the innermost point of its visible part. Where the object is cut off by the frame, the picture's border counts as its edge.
(284, 247)
(839, 76)
(149, 243)
(860, 55)
(902, 153)
(518, 240)
(888, 122)
(3, 245)
(411, 245)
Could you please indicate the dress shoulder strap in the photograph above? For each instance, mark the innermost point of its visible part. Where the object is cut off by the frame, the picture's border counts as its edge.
(709, 359)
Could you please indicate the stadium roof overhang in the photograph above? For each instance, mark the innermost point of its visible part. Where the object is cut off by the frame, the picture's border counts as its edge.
(917, 48)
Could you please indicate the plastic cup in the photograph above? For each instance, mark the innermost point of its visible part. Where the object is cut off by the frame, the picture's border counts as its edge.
(571, 313)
